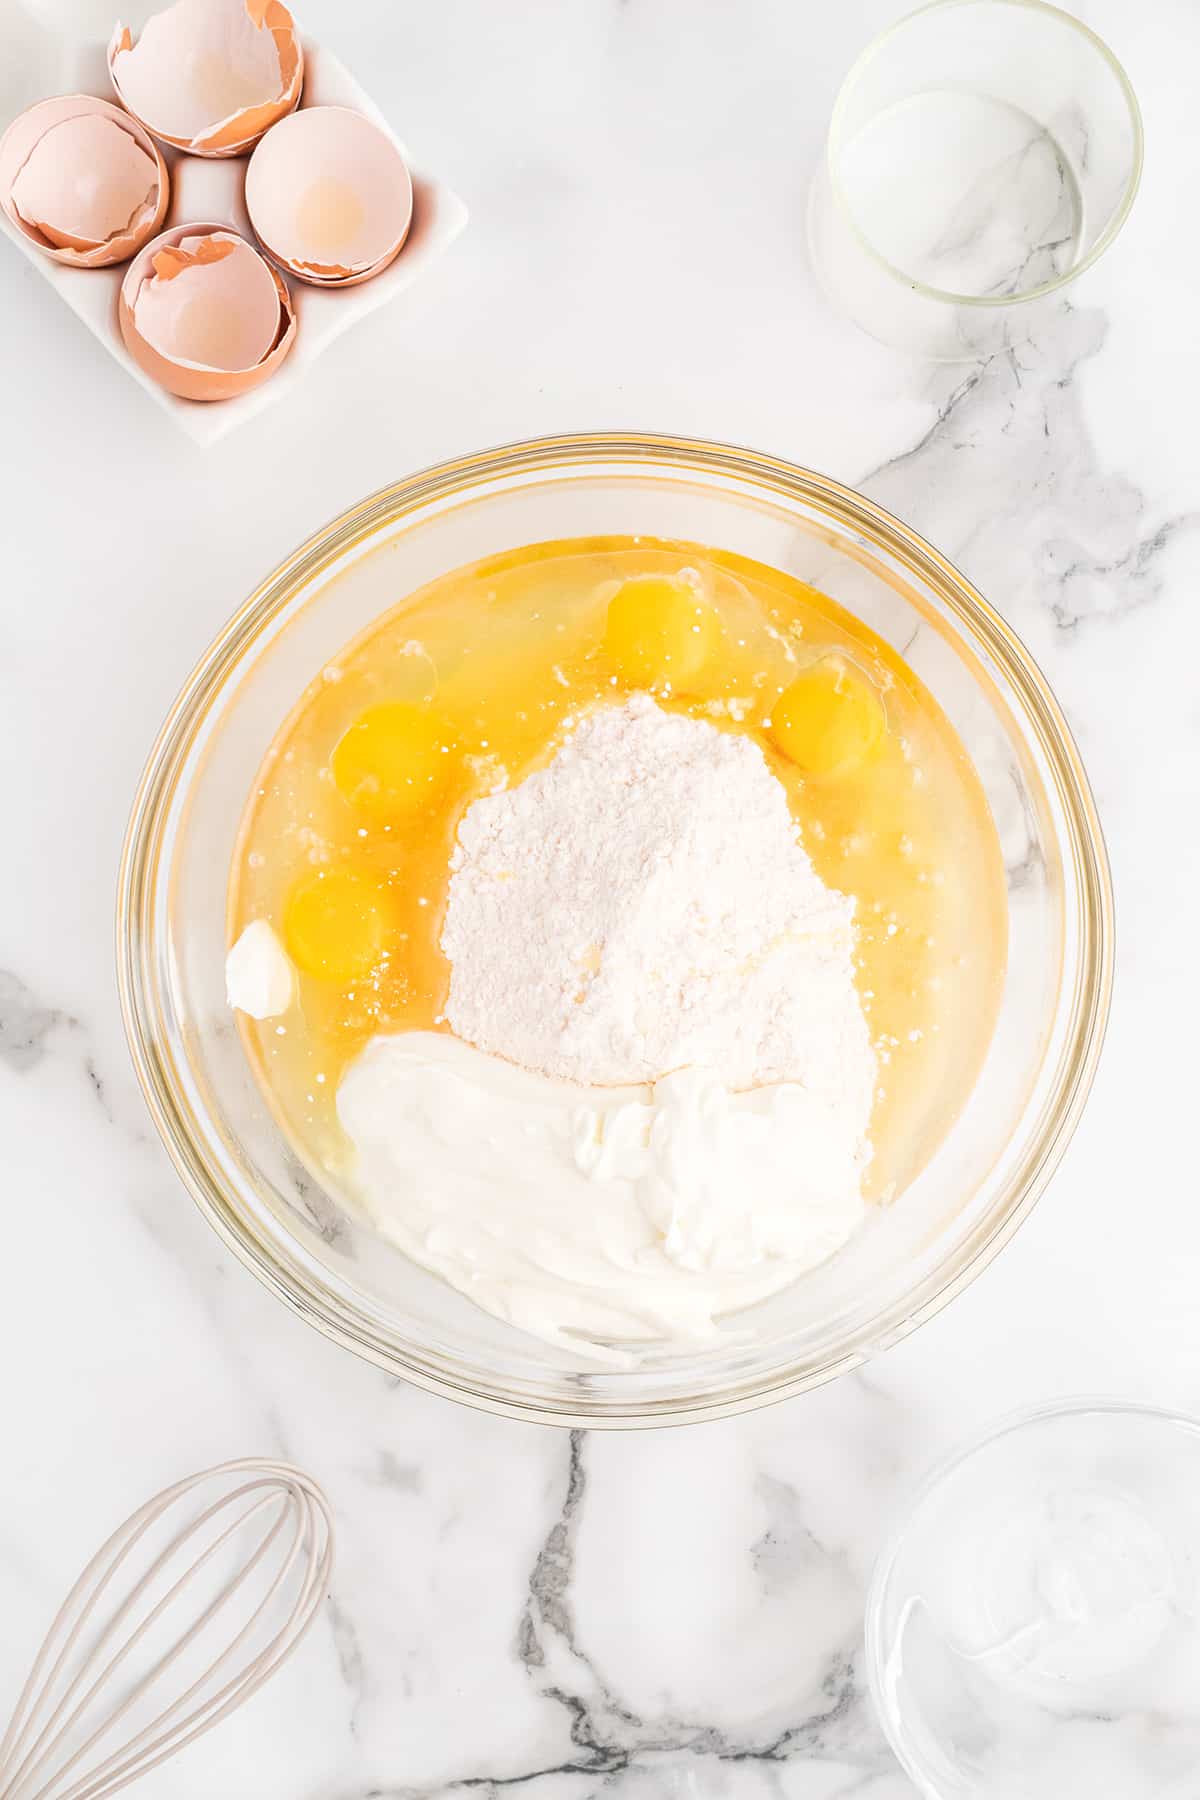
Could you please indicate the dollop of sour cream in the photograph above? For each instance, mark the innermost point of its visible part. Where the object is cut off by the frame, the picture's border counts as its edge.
(581, 1214)
(259, 977)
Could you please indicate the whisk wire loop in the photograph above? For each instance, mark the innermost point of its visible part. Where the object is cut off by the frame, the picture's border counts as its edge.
(51, 1733)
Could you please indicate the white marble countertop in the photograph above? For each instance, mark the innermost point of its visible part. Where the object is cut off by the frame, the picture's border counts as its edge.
(513, 1607)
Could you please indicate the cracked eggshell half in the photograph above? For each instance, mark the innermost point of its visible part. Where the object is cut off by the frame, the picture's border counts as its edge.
(210, 76)
(329, 196)
(204, 315)
(82, 180)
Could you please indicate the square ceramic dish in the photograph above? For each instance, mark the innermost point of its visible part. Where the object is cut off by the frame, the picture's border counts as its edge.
(204, 188)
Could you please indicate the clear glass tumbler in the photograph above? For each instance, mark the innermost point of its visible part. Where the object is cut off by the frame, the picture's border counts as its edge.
(981, 155)
(1032, 1629)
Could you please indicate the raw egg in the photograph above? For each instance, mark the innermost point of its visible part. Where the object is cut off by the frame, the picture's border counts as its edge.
(658, 632)
(203, 314)
(390, 763)
(829, 720)
(210, 76)
(337, 924)
(82, 181)
(330, 196)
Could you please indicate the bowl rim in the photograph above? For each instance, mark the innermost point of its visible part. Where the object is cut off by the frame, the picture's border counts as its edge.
(139, 878)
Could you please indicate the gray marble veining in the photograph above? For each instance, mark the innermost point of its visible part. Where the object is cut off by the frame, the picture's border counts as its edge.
(648, 1615)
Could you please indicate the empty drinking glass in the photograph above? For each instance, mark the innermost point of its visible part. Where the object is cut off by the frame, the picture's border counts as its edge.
(981, 154)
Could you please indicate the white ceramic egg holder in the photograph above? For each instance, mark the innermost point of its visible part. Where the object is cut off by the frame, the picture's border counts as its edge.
(207, 188)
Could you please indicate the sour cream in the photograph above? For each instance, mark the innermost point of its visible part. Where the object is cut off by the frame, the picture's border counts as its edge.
(259, 977)
(584, 1214)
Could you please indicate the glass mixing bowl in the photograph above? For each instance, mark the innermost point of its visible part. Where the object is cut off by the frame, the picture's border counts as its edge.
(333, 1269)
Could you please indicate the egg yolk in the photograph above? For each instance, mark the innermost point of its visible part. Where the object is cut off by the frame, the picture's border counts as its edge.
(391, 764)
(336, 924)
(658, 632)
(829, 720)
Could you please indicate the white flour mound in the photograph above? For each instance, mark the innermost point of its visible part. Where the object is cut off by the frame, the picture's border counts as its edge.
(643, 904)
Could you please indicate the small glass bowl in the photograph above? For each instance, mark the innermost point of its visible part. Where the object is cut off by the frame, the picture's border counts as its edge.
(1033, 1627)
(331, 1267)
(981, 154)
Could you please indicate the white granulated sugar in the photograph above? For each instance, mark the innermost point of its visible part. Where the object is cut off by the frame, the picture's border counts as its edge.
(644, 904)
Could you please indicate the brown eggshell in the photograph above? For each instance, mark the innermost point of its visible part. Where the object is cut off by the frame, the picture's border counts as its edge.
(21, 140)
(190, 381)
(336, 148)
(176, 35)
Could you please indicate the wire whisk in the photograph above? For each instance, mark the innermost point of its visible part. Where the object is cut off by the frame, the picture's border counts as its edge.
(183, 1614)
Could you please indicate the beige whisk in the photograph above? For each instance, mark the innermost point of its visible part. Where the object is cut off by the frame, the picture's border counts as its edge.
(186, 1610)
